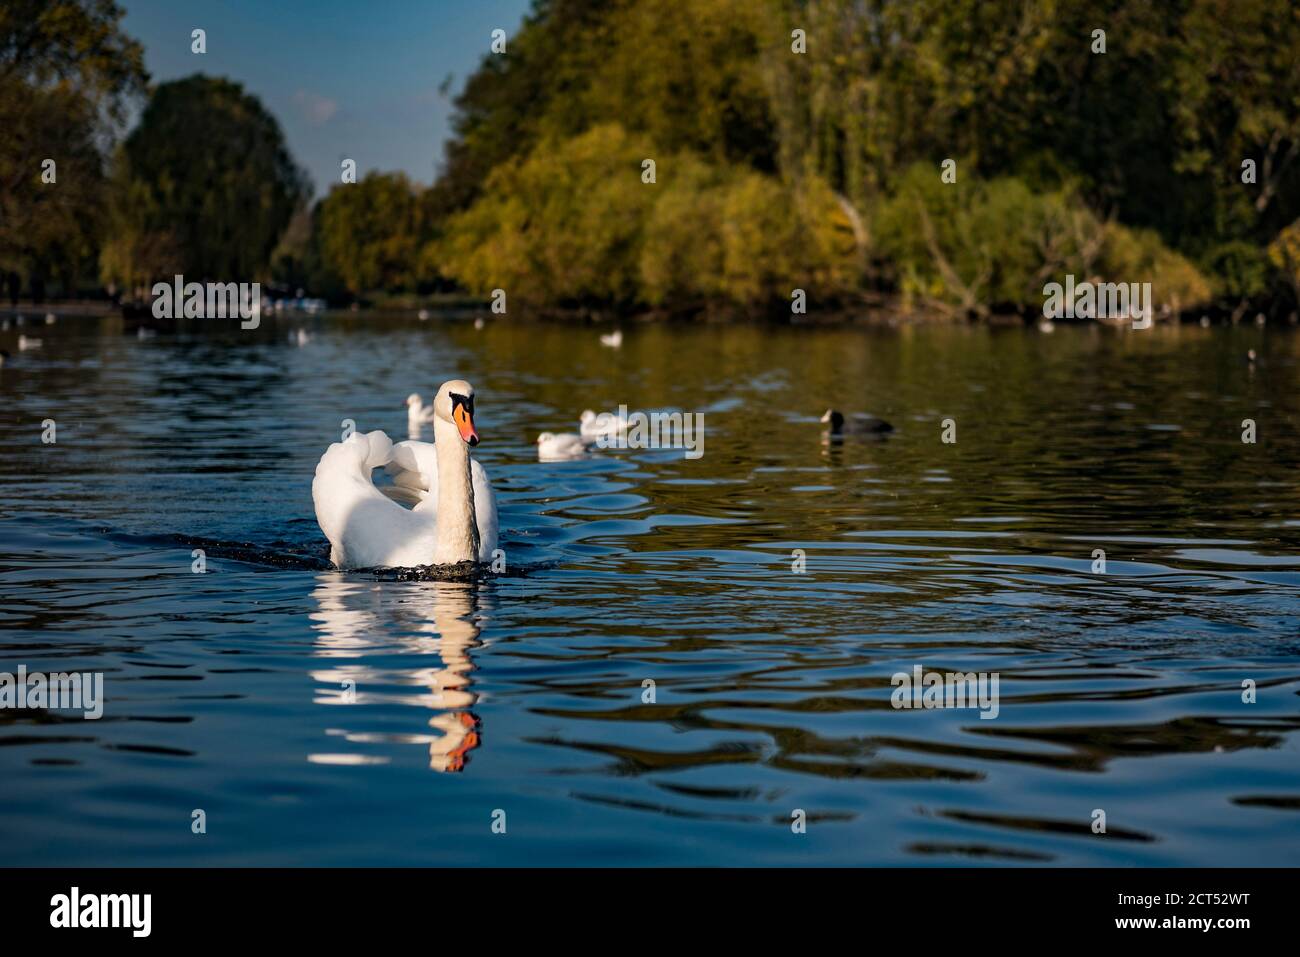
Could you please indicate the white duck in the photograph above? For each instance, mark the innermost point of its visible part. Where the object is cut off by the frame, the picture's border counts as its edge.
(614, 339)
(456, 517)
(566, 445)
(593, 426)
(417, 413)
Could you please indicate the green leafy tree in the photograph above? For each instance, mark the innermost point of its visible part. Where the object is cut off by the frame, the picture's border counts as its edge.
(998, 242)
(1069, 157)
(1237, 98)
(686, 75)
(1284, 256)
(576, 222)
(562, 224)
(370, 233)
(507, 102)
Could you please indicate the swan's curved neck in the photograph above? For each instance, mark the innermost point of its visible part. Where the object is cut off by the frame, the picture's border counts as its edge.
(457, 532)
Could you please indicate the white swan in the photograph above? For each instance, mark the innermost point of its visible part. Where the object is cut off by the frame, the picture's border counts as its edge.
(456, 517)
(566, 445)
(614, 339)
(417, 413)
(593, 426)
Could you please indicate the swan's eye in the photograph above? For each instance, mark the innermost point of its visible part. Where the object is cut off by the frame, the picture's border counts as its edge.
(467, 402)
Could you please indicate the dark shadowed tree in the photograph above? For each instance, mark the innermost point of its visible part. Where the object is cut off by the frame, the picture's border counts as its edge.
(206, 179)
(67, 74)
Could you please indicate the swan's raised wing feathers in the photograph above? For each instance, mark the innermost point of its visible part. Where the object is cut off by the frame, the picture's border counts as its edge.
(414, 465)
(366, 528)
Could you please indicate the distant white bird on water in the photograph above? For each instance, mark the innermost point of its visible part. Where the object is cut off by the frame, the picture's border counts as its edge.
(593, 426)
(417, 413)
(479, 323)
(49, 319)
(27, 342)
(565, 445)
(422, 315)
(299, 337)
(613, 339)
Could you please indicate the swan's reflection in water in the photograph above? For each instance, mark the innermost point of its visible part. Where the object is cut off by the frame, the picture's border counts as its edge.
(358, 621)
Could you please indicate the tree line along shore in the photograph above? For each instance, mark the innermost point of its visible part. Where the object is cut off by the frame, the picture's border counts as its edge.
(936, 159)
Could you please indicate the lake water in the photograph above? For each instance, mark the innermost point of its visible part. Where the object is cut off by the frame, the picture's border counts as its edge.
(319, 717)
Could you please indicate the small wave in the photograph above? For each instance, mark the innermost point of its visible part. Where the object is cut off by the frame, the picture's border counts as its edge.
(288, 556)
(295, 556)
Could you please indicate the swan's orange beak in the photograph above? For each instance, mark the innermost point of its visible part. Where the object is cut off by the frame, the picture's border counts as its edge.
(465, 422)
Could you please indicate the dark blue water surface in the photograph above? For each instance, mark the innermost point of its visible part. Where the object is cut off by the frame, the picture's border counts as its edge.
(319, 717)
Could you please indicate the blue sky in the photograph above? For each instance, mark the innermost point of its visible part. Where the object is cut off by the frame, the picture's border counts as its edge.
(345, 79)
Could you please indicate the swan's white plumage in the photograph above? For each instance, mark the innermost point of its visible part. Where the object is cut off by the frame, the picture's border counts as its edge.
(366, 528)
